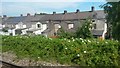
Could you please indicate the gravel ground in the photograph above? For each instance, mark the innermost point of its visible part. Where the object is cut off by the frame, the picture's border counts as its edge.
(12, 58)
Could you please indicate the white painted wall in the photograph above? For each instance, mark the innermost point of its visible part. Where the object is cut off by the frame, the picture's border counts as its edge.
(4, 33)
(9, 31)
(24, 26)
(3, 26)
(20, 25)
(37, 25)
(33, 26)
(16, 27)
(24, 31)
(37, 32)
(12, 31)
(44, 27)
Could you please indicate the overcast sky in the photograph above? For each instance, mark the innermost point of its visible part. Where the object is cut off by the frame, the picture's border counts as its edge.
(17, 7)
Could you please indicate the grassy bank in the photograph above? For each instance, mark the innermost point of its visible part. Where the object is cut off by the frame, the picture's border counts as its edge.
(76, 51)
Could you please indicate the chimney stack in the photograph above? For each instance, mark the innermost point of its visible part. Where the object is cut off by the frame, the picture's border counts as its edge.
(21, 15)
(35, 14)
(54, 13)
(92, 8)
(77, 11)
(65, 11)
(28, 14)
(4, 16)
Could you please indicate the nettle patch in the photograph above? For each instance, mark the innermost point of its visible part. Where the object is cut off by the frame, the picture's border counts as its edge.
(75, 51)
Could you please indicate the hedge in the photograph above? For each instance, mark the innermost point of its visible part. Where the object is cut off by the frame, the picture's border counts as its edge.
(75, 51)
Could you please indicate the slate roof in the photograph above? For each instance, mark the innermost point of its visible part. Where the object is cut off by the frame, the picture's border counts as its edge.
(34, 18)
(13, 20)
(68, 16)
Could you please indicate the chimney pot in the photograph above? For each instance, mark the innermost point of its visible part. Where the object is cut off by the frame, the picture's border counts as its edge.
(77, 10)
(28, 14)
(65, 11)
(92, 8)
(35, 14)
(21, 14)
(54, 13)
(4, 16)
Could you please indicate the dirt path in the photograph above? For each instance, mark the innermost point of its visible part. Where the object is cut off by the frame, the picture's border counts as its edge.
(12, 58)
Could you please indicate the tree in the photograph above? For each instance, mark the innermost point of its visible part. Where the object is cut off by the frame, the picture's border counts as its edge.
(113, 18)
(64, 34)
(84, 31)
(5, 29)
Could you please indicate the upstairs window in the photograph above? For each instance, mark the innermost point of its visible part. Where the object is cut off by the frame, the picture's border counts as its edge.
(38, 26)
(57, 26)
(70, 26)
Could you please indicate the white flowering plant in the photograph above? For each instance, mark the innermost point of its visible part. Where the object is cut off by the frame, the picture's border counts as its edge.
(78, 51)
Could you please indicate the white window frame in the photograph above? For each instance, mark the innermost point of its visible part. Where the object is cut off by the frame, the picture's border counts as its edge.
(70, 26)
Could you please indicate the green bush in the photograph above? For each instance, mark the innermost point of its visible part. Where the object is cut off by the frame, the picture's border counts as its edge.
(84, 31)
(64, 34)
(81, 32)
(5, 29)
(74, 51)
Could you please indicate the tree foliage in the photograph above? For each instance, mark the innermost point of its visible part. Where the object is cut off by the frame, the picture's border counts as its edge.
(5, 29)
(81, 32)
(113, 18)
(84, 31)
(64, 34)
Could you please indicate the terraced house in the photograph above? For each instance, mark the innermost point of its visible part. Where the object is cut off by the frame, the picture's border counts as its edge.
(49, 24)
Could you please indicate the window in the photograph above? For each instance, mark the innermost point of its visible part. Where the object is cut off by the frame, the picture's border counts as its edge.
(38, 25)
(93, 20)
(47, 21)
(94, 26)
(70, 26)
(57, 26)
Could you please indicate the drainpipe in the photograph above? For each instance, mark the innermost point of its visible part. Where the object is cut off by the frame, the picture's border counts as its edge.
(13, 32)
(105, 30)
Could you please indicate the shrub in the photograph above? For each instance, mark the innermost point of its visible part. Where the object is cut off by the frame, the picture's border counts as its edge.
(81, 32)
(84, 31)
(5, 29)
(74, 51)
(64, 34)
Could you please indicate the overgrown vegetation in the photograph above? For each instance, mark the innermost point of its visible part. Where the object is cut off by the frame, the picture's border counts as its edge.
(81, 32)
(74, 51)
(64, 34)
(113, 18)
(84, 31)
(5, 29)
